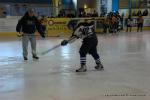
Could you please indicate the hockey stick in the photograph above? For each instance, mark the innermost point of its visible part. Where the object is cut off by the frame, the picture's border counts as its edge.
(47, 51)
(57, 46)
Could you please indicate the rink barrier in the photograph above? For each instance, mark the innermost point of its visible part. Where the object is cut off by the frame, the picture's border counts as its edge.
(60, 26)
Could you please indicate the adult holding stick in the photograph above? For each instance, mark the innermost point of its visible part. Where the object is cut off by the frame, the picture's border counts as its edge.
(26, 28)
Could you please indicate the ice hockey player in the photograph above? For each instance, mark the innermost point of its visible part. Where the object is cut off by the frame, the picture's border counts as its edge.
(85, 31)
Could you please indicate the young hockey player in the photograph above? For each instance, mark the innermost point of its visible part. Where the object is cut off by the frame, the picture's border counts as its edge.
(85, 31)
(27, 25)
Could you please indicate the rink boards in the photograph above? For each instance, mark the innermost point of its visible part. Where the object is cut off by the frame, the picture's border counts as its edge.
(58, 26)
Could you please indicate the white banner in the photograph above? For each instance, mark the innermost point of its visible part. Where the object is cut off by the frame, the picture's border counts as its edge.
(8, 24)
(146, 22)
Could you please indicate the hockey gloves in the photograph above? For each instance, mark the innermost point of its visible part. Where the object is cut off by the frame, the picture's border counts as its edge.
(64, 42)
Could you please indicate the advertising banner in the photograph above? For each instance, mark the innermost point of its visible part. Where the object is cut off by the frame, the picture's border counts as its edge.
(60, 26)
(64, 26)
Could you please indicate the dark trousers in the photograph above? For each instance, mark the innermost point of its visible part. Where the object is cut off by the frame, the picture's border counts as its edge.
(105, 26)
(140, 27)
(129, 27)
(91, 48)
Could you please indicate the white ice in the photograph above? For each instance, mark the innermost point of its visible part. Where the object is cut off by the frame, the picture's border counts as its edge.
(126, 59)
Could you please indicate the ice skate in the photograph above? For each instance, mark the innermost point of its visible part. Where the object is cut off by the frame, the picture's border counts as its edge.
(99, 66)
(81, 69)
(35, 57)
(25, 58)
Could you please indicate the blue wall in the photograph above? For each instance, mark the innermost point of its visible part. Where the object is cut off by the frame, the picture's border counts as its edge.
(115, 5)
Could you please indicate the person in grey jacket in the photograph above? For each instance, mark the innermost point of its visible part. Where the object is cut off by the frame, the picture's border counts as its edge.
(26, 28)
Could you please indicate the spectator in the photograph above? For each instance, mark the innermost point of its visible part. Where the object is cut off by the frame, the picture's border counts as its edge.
(106, 24)
(139, 13)
(140, 21)
(145, 13)
(95, 14)
(129, 23)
